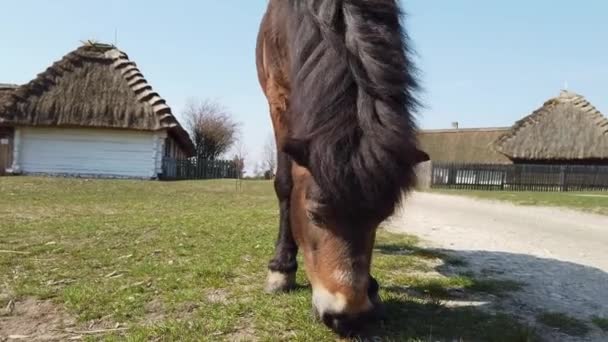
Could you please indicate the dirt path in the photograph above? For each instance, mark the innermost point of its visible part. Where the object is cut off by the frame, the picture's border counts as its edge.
(560, 255)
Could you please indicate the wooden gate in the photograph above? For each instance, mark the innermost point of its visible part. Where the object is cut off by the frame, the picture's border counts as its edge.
(6, 151)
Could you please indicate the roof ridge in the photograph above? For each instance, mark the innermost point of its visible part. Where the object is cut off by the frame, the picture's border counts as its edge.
(593, 112)
(142, 89)
(52, 72)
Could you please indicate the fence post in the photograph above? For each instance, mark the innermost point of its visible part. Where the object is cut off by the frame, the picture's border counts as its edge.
(562, 178)
(451, 174)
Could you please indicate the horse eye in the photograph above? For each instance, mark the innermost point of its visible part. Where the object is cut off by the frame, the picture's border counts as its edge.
(314, 218)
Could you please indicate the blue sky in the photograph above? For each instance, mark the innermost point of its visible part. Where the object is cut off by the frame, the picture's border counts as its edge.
(483, 63)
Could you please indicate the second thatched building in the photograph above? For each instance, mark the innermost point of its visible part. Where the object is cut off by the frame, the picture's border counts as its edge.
(565, 130)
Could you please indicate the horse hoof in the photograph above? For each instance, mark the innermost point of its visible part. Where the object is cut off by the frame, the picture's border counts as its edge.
(277, 282)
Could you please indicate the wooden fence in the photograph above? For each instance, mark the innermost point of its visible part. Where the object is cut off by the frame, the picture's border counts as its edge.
(6, 152)
(182, 169)
(520, 177)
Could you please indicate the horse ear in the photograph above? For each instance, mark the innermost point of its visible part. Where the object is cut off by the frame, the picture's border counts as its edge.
(421, 156)
(298, 150)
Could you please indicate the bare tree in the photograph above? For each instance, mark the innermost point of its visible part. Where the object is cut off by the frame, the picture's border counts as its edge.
(240, 153)
(270, 156)
(212, 128)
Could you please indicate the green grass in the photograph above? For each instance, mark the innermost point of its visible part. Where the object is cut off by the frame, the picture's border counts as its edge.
(564, 323)
(601, 322)
(187, 261)
(594, 202)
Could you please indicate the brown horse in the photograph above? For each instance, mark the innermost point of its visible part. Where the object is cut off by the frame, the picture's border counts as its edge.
(340, 85)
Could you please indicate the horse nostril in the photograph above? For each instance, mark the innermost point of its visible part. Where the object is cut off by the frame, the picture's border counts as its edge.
(338, 323)
(329, 320)
(347, 325)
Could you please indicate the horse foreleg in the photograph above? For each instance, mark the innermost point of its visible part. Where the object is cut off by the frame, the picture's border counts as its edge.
(283, 266)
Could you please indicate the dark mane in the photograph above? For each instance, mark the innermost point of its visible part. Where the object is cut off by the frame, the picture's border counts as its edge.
(352, 100)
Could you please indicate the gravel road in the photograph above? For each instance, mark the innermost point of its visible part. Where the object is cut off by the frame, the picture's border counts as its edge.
(560, 255)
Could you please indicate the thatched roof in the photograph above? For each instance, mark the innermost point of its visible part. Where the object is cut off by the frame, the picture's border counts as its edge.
(566, 127)
(7, 86)
(94, 86)
(5, 91)
(472, 145)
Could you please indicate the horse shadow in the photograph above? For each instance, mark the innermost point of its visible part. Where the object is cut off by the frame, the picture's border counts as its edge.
(518, 285)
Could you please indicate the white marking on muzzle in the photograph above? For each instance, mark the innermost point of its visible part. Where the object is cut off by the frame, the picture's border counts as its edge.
(326, 302)
(334, 303)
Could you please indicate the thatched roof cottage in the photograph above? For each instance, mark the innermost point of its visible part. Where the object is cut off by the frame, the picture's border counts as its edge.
(566, 129)
(92, 113)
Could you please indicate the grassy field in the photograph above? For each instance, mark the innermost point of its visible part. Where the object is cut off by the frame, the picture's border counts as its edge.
(140, 261)
(594, 202)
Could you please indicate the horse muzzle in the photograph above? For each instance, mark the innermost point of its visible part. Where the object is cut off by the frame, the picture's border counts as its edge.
(347, 324)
